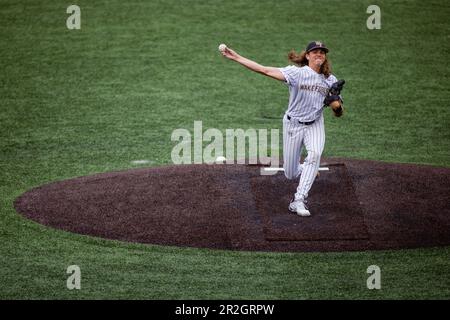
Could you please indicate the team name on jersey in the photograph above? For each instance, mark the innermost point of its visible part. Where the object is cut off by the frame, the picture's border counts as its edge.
(322, 90)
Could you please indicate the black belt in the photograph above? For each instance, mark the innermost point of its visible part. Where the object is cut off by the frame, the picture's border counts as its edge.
(306, 123)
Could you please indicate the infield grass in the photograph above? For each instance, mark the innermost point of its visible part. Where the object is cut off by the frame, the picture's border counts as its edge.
(78, 102)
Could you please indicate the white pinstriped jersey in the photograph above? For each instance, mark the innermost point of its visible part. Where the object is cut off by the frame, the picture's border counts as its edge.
(307, 89)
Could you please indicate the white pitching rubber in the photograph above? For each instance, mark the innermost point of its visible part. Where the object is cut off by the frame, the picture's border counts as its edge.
(271, 169)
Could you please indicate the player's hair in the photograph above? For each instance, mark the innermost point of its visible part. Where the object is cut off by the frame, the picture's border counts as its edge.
(300, 59)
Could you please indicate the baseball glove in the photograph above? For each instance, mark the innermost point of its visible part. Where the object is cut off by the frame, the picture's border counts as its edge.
(333, 100)
(336, 106)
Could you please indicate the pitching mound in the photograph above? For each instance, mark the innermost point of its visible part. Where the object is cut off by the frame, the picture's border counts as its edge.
(356, 205)
(344, 222)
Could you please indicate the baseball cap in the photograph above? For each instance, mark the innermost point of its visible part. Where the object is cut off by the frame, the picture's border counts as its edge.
(316, 45)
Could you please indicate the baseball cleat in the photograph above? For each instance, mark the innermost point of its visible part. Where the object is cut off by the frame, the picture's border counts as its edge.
(299, 207)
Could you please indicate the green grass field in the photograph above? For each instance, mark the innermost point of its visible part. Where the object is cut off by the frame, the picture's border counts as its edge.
(78, 102)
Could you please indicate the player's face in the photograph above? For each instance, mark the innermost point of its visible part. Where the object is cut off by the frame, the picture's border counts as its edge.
(316, 57)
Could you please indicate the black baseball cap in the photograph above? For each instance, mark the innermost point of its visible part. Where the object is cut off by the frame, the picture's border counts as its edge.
(316, 45)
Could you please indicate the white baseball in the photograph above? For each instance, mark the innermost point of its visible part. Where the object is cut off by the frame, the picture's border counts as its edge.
(222, 47)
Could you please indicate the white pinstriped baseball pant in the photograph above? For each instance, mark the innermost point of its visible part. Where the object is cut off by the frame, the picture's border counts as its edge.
(295, 136)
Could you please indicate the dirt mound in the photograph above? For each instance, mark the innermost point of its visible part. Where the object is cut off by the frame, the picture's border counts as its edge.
(356, 205)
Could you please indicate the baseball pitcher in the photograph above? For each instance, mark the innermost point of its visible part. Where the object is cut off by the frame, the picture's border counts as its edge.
(312, 87)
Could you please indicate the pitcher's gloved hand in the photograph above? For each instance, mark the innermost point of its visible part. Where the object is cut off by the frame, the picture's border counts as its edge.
(333, 100)
(337, 108)
(335, 103)
(330, 99)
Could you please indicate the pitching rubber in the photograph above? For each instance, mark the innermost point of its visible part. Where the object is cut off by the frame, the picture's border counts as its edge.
(271, 169)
